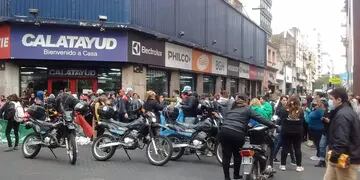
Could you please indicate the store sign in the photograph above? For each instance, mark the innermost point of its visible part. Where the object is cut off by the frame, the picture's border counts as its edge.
(202, 62)
(219, 65)
(252, 73)
(244, 70)
(260, 73)
(4, 42)
(145, 50)
(67, 44)
(72, 72)
(233, 68)
(178, 56)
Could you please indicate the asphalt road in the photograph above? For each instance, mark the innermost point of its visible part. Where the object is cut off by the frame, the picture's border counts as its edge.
(44, 167)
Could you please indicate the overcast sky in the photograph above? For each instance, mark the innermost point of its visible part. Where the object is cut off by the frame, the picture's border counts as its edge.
(324, 15)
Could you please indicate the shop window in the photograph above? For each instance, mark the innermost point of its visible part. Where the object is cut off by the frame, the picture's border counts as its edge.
(157, 81)
(187, 79)
(32, 79)
(209, 85)
(234, 86)
(109, 79)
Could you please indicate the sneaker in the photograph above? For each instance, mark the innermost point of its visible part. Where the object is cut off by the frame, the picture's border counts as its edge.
(321, 164)
(293, 163)
(276, 161)
(16, 148)
(314, 158)
(8, 149)
(299, 169)
(282, 167)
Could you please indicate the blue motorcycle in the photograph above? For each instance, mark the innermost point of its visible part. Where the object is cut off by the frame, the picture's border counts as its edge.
(199, 138)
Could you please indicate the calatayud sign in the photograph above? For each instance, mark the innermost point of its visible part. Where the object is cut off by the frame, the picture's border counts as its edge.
(4, 42)
(72, 72)
(178, 56)
(67, 44)
(219, 65)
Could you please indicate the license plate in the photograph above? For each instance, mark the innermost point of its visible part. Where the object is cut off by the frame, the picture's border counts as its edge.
(247, 160)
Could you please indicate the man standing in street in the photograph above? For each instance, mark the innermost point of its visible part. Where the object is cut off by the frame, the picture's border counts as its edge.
(344, 138)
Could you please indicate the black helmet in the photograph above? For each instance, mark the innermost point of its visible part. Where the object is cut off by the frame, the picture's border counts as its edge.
(37, 112)
(106, 112)
(81, 107)
(135, 105)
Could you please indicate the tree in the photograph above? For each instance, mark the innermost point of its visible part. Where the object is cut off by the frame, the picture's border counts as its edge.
(323, 80)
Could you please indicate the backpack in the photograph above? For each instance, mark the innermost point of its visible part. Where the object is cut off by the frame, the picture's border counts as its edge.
(19, 112)
(9, 111)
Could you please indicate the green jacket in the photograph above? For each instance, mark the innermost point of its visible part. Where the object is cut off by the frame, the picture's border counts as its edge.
(260, 111)
(268, 110)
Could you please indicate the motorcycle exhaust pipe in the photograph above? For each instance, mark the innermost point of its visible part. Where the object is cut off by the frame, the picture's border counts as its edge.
(35, 143)
(180, 145)
(111, 144)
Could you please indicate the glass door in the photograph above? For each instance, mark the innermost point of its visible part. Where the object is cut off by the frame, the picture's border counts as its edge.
(84, 85)
(58, 85)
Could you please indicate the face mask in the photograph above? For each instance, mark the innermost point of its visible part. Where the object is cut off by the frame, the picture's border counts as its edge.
(331, 104)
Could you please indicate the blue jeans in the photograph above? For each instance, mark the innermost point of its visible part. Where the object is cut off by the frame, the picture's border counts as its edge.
(322, 147)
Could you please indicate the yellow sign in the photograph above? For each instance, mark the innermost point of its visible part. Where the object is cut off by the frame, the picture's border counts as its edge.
(335, 80)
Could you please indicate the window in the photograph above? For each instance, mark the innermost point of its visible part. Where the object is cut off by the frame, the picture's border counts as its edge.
(109, 79)
(188, 79)
(157, 81)
(32, 79)
(209, 85)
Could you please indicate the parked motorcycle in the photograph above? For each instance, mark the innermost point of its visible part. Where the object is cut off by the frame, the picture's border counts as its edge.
(141, 132)
(200, 138)
(256, 154)
(58, 134)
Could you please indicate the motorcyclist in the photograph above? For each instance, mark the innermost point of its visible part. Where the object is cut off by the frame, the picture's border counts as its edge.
(189, 105)
(233, 132)
(65, 102)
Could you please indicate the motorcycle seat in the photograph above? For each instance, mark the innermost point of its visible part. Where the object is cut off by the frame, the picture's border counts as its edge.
(178, 127)
(121, 124)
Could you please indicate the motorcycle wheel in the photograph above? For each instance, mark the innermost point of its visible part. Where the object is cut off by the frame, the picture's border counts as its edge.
(72, 148)
(219, 156)
(254, 172)
(30, 151)
(177, 152)
(103, 154)
(159, 151)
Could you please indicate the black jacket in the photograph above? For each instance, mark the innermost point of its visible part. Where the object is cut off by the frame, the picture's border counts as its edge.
(190, 106)
(153, 106)
(237, 119)
(291, 126)
(121, 105)
(65, 102)
(344, 133)
(7, 112)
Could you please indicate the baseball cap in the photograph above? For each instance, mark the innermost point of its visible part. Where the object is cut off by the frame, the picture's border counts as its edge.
(186, 89)
(100, 91)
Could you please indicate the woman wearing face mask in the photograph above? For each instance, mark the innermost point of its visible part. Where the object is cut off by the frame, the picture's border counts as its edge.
(324, 136)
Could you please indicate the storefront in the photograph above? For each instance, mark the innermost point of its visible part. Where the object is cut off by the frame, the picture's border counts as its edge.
(244, 78)
(157, 81)
(233, 69)
(256, 76)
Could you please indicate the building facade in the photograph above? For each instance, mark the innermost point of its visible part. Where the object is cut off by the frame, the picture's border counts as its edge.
(259, 11)
(159, 45)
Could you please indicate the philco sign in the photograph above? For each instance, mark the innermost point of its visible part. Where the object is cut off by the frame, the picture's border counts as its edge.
(244, 70)
(219, 65)
(178, 56)
(145, 50)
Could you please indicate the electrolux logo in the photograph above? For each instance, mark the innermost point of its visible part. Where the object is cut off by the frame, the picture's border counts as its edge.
(138, 50)
(136, 46)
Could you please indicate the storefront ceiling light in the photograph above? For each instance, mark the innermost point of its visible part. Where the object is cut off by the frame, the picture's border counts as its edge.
(117, 70)
(27, 73)
(43, 68)
(114, 73)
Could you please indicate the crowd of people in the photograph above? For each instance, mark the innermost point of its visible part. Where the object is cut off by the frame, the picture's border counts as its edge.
(330, 121)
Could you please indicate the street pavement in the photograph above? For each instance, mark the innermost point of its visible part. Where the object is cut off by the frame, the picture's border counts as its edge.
(45, 167)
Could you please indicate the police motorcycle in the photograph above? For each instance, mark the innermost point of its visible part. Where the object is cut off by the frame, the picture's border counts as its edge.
(141, 132)
(199, 138)
(257, 154)
(59, 133)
